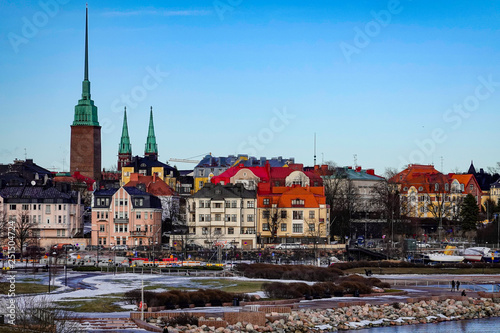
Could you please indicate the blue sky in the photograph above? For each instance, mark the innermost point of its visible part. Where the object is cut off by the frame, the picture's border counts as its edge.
(392, 82)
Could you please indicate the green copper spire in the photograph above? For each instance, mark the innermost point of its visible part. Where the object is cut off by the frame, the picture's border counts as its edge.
(151, 147)
(125, 146)
(86, 111)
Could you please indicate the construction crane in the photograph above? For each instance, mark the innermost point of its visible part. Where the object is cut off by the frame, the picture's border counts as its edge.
(188, 160)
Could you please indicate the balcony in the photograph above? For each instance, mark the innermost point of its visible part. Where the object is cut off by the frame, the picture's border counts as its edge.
(120, 220)
(137, 233)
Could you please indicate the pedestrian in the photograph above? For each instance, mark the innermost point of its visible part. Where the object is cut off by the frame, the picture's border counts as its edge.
(458, 285)
(463, 293)
(452, 285)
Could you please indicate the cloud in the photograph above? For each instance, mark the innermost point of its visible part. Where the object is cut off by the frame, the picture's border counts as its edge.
(156, 12)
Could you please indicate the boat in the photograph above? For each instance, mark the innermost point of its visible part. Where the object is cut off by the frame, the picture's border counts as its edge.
(476, 253)
(492, 257)
(448, 255)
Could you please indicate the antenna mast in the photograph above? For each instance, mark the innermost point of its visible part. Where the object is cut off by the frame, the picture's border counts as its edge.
(314, 148)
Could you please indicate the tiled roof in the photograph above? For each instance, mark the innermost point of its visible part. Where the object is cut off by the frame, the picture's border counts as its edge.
(33, 192)
(154, 185)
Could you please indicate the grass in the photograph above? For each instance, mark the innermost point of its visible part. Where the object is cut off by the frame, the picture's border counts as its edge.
(24, 288)
(101, 304)
(232, 286)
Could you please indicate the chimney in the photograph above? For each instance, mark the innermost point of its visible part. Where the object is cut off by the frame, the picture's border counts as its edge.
(358, 169)
(370, 172)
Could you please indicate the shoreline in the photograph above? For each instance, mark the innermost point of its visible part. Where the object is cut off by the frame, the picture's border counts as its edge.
(427, 310)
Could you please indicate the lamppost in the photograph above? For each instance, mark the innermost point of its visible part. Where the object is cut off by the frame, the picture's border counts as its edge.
(50, 276)
(66, 268)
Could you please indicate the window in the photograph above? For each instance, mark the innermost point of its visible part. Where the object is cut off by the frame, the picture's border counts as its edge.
(218, 217)
(446, 187)
(266, 202)
(64, 219)
(204, 231)
(230, 231)
(102, 228)
(311, 214)
(405, 188)
(201, 218)
(138, 227)
(145, 215)
(58, 233)
(283, 226)
(217, 205)
(312, 227)
(266, 214)
(265, 226)
(200, 184)
(297, 228)
(208, 217)
(234, 204)
(116, 227)
(298, 215)
(420, 188)
(250, 204)
(27, 207)
(462, 187)
(138, 215)
(218, 231)
(436, 187)
(139, 202)
(126, 202)
(297, 202)
(59, 219)
(283, 214)
(98, 215)
(228, 204)
(116, 201)
(63, 233)
(250, 218)
(471, 186)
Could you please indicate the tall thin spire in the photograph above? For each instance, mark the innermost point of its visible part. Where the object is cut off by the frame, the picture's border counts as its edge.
(151, 147)
(86, 74)
(125, 146)
(86, 111)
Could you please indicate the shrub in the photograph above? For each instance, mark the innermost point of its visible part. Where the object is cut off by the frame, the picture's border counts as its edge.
(183, 297)
(351, 287)
(198, 298)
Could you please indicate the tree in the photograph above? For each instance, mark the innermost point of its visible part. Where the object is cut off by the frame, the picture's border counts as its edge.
(23, 232)
(39, 314)
(469, 213)
(343, 198)
(273, 216)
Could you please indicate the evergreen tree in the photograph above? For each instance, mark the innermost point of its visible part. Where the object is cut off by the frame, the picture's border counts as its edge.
(469, 213)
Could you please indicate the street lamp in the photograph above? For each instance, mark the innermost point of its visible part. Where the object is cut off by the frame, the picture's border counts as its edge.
(66, 268)
(50, 276)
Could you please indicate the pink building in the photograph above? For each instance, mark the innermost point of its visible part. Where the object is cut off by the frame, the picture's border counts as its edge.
(125, 216)
(49, 213)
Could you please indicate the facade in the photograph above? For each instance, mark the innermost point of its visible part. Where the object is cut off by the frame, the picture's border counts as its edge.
(168, 197)
(222, 215)
(291, 205)
(148, 166)
(23, 172)
(47, 212)
(495, 192)
(125, 216)
(85, 150)
(211, 166)
(431, 194)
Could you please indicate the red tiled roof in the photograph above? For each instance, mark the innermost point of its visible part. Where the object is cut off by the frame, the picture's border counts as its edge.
(154, 185)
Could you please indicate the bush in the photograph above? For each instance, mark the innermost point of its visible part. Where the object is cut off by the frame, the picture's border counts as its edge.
(183, 298)
(198, 298)
(351, 287)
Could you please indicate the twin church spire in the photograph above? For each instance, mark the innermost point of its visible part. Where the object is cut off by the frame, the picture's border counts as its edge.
(125, 148)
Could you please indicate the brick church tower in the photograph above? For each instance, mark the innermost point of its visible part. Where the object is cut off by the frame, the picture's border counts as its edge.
(85, 154)
(125, 148)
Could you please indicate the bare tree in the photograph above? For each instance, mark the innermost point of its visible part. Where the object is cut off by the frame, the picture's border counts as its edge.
(23, 229)
(273, 215)
(343, 198)
(39, 314)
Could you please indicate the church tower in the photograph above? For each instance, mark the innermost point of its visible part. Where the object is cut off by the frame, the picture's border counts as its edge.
(125, 148)
(151, 149)
(85, 154)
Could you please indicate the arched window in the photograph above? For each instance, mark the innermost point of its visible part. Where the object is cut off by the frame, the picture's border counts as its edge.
(436, 187)
(446, 187)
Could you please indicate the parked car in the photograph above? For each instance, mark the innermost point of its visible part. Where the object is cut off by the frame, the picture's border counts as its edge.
(420, 244)
(94, 247)
(141, 248)
(119, 247)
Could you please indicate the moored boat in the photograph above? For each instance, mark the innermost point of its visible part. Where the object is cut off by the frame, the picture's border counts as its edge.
(475, 253)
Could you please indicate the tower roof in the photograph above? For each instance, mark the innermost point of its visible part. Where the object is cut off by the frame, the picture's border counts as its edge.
(125, 146)
(86, 111)
(151, 146)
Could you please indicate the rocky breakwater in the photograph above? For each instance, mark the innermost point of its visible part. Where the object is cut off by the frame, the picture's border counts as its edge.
(362, 316)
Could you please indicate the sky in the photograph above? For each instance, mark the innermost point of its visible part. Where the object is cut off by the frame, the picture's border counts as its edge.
(381, 83)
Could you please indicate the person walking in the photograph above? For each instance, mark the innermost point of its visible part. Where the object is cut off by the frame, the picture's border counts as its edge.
(458, 285)
(452, 285)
